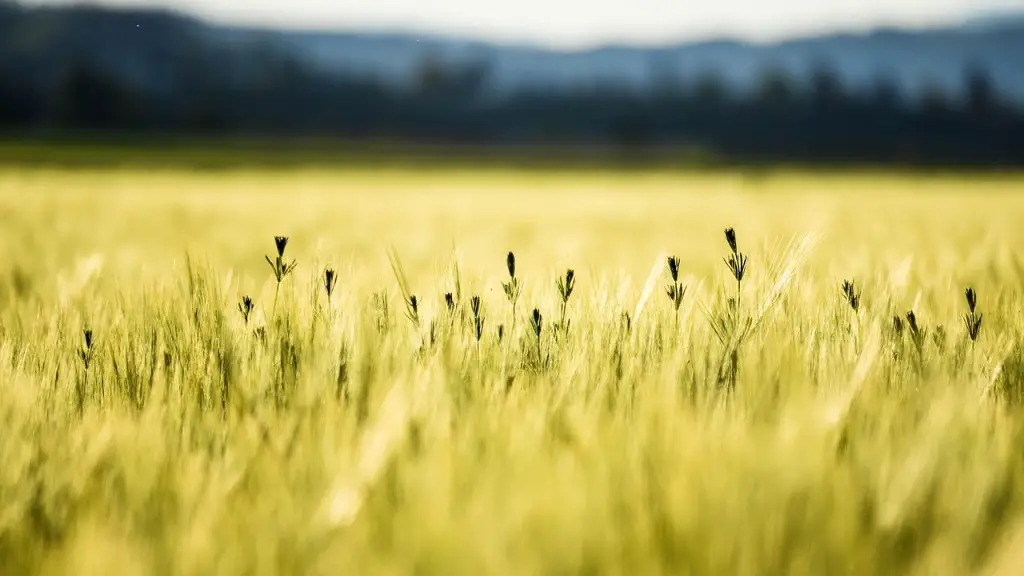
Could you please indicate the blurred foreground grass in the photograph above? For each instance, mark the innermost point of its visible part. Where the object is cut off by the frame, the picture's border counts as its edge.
(340, 434)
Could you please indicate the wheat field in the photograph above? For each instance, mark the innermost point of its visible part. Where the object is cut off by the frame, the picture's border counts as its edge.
(169, 407)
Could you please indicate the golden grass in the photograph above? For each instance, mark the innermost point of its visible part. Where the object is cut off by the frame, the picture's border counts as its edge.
(192, 445)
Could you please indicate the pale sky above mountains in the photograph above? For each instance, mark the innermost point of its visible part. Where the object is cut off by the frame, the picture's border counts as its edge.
(577, 23)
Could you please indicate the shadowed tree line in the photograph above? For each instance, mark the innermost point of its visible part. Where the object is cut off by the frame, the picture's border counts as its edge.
(259, 91)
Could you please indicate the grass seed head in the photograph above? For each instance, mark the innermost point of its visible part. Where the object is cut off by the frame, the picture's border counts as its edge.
(972, 320)
(897, 325)
(673, 268)
(513, 288)
(86, 351)
(245, 308)
(281, 242)
(279, 265)
(730, 239)
(912, 321)
(737, 261)
(330, 280)
(675, 290)
(478, 326)
(917, 332)
(851, 295)
(566, 286)
(449, 302)
(478, 321)
(537, 322)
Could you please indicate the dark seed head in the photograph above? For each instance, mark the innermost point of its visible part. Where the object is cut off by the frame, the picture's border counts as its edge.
(851, 295)
(912, 321)
(281, 242)
(565, 287)
(330, 279)
(449, 301)
(474, 304)
(972, 299)
(245, 308)
(673, 268)
(730, 238)
(413, 303)
(478, 327)
(88, 339)
(510, 261)
(897, 324)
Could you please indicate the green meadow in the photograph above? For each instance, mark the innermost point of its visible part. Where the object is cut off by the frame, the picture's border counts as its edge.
(385, 392)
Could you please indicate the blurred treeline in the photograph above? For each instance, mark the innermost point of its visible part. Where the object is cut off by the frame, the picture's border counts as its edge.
(82, 71)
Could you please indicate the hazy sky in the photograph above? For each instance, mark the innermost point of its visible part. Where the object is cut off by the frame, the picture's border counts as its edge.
(577, 22)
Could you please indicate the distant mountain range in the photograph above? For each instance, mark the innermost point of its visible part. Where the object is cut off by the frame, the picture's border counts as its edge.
(146, 44)
(912, 58)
